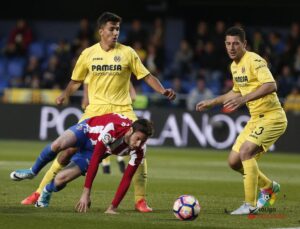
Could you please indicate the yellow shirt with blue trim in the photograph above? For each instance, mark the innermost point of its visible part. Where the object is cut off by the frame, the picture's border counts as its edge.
(248, 75)
(109, 73)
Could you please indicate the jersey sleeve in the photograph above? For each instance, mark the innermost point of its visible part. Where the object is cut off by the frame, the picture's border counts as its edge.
(87, 80)
(260, 69)
(136, 158)
(80, 70)
(94, 164)
(124, 185)
(136, 65)
(104, 139)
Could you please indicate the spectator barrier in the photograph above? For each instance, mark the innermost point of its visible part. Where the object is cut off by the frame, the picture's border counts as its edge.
(173, 127)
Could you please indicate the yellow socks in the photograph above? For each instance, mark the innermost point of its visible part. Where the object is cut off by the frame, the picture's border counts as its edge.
(51, 173)
(263, 181)
(250, 180)
(140, 182)
(106, 161)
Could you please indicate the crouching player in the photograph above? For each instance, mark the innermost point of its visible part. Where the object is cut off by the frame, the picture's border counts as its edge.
(100, 137)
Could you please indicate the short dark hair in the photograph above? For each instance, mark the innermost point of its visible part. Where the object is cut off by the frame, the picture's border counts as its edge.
(143, 125)
(236, 31)
(106, 17)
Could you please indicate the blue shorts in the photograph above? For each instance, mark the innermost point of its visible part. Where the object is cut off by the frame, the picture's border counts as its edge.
(82, 159)
(80, 131)
(83, 156)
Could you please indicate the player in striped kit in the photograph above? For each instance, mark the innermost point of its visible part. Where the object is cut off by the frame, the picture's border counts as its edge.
(97, 138)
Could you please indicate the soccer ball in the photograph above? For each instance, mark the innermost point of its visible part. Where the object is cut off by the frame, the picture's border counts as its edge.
(186, 207)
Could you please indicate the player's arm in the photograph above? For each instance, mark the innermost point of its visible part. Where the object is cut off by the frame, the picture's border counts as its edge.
(85, 201)
(125, 182)
(263, 90)
(154, 83)
(222, 99)
(70, 89)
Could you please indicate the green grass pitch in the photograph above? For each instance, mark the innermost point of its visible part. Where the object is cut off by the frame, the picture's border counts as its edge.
(171, 173)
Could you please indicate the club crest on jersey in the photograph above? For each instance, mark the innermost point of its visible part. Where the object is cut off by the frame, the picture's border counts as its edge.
(79, 127)
(117, 58)
(243, 69)
(106, 138)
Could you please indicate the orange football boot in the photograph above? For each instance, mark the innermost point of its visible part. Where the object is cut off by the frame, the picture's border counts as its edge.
(32, 199)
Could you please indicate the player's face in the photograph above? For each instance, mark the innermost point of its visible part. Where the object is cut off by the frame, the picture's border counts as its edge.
(235, 47)
(109, 33)
(137, 140)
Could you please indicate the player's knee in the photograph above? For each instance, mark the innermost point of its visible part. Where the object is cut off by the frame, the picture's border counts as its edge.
(245, 153)
(61, 179)
(56, 146)
(233, 164)
(234, 161)
(65, 157)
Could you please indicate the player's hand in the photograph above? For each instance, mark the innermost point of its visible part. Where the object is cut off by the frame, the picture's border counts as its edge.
(84, 103)
(84, 203)
(235, 103)
(111, 210)
(170, 93)
(204, 105)
(60, 99)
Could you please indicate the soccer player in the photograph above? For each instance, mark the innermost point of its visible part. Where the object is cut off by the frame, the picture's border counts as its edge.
(109, 65)
(254, 86)
(84, 103)
(100, 136)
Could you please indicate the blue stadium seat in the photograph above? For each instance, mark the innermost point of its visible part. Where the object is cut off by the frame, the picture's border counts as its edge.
(3, 64)
(3, 75)
(167, 83)
(188, 85)
(146, 88)
(15, 67)
(37, 49)
(3, 85)
(50, 49)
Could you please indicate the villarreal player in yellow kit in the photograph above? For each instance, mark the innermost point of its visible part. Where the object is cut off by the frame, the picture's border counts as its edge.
(109, 66)
(254, 86)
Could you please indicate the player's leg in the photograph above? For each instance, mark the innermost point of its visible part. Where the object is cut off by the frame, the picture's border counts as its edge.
(272, 131)
(69, 173)
(247, 154)
(59, 163)
(67, 139)
(78, 166)
(140, 183)
(121, 164)
(235, 163)
(106, 165)
(140, 177)
(248, 168)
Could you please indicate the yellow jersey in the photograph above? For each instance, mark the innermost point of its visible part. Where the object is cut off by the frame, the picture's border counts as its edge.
(249, 74)
(109, 73)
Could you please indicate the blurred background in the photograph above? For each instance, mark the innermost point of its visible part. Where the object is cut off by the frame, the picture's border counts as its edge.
(181, 42)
